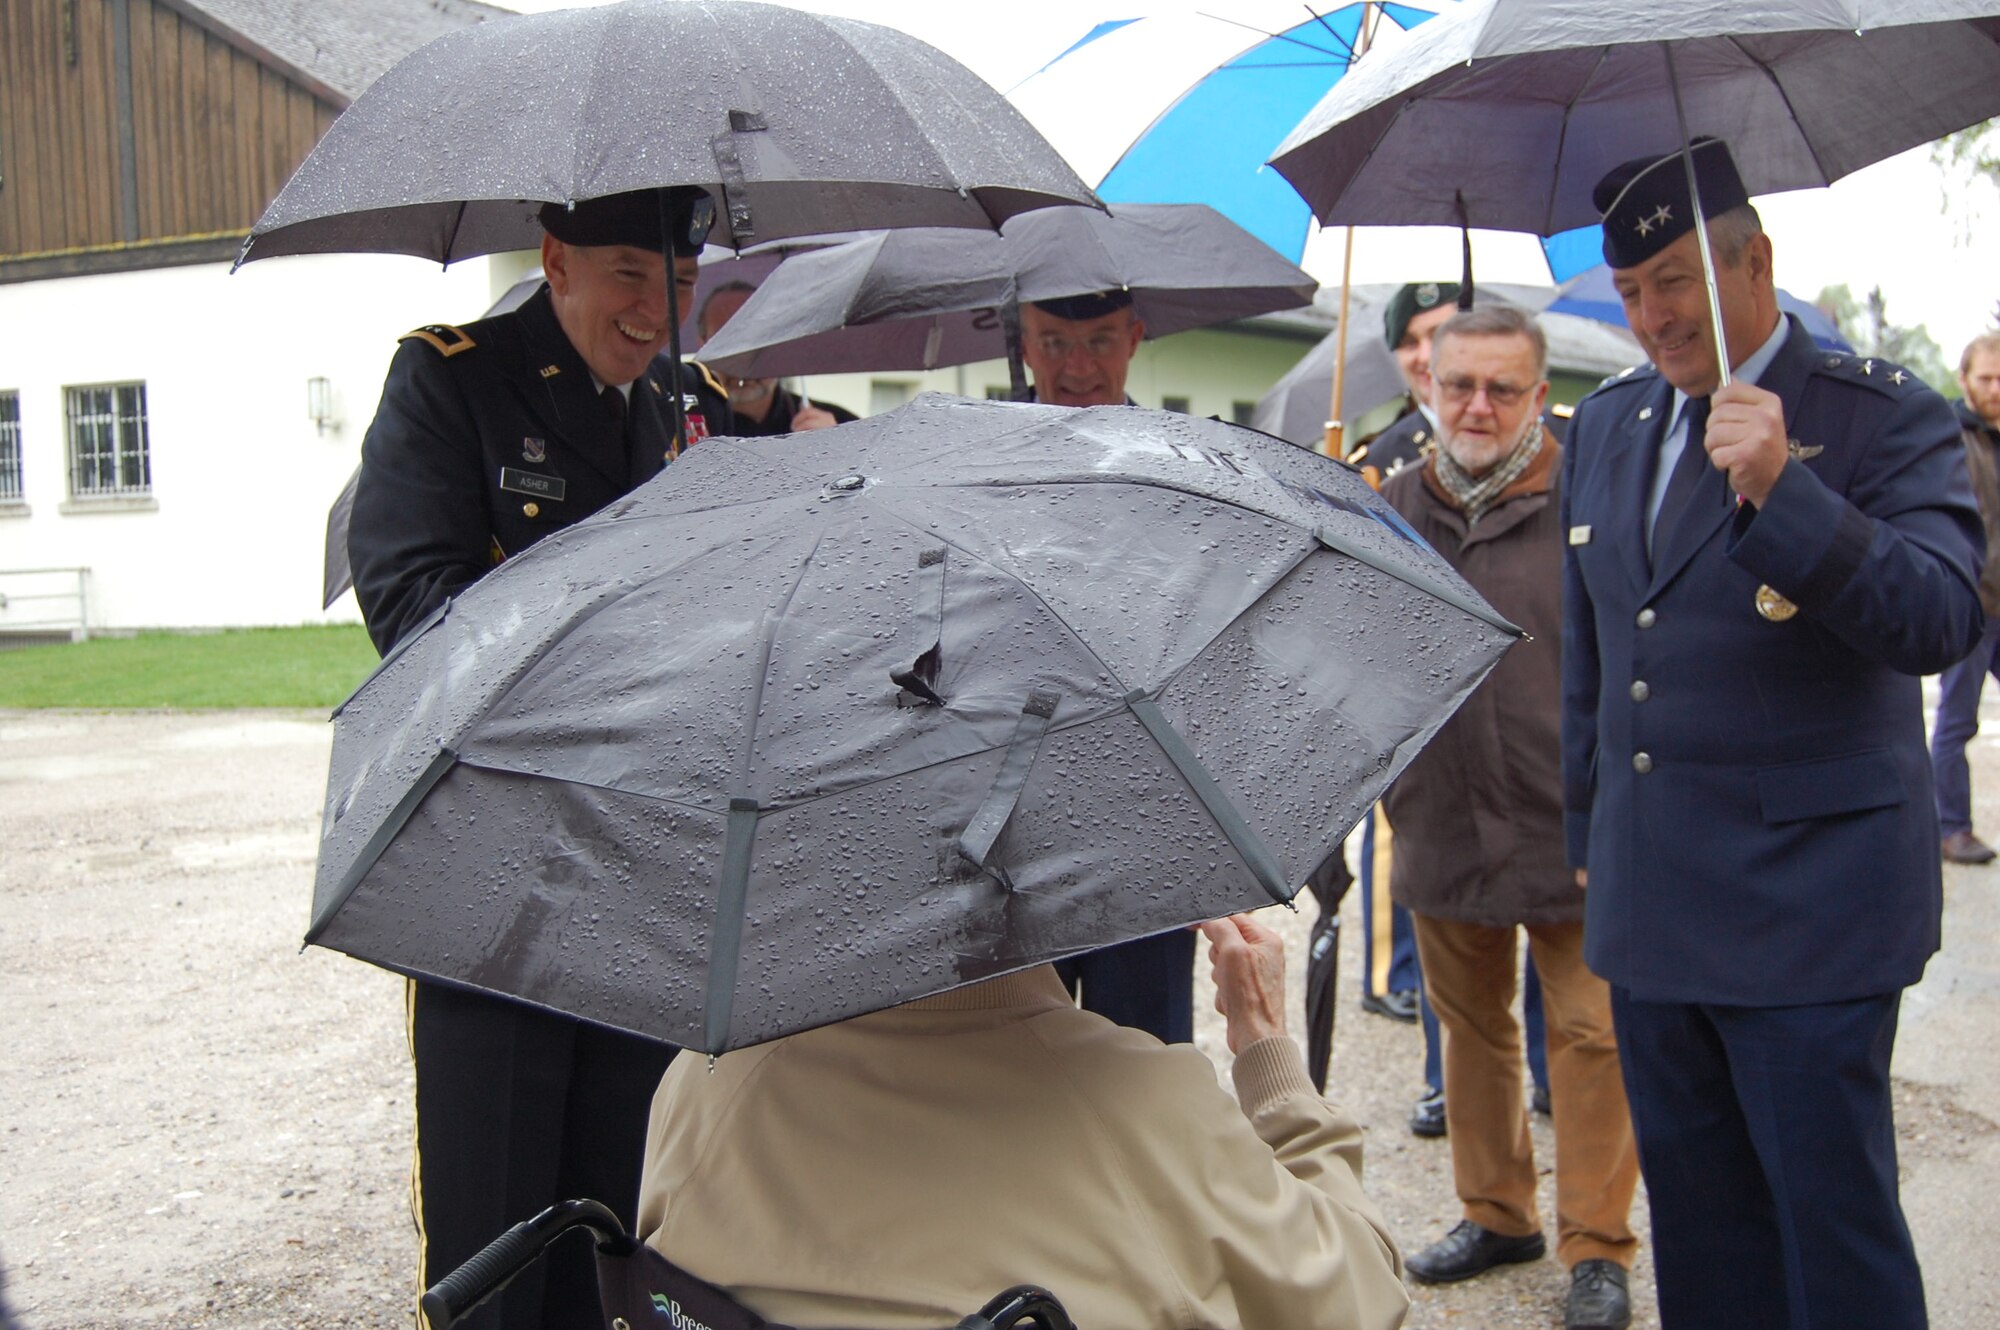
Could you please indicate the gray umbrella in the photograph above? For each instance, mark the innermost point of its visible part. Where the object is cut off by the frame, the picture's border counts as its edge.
(1296, 406)
(790, 735)
(1505, 113)
(798, 123)
(920, 299)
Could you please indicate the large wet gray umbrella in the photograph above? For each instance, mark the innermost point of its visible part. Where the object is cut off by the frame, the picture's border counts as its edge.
(792, 734)
(1506, 113)
(799, 124)
(921, 299)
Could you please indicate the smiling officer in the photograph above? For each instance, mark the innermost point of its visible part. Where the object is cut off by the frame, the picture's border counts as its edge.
(488, 438)
(1755, 577)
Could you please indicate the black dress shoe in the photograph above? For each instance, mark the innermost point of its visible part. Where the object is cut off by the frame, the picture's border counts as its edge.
(1961, 847)
(1427, 1118)
(1598, 1299)
(1400, 1005)
(1470, 1250)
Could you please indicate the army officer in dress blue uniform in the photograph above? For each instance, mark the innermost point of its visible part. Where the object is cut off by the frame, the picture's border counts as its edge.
(1756, 576)
(488, 438)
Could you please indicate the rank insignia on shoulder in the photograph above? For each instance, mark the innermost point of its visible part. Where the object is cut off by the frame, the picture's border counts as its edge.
(445, 339)
(1803, 451)
(1899, 378)
(654, 384)
(1579, 535)
(1645, 413)
(534, 451)
(1562, 410)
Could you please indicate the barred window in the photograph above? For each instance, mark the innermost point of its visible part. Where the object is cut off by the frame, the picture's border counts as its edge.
(10, 445)
(108, 451)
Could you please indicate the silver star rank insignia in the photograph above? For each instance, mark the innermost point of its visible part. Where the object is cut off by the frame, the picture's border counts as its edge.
(1645, 226)
(1867, 367)
(1899, 378)
(1802, 451)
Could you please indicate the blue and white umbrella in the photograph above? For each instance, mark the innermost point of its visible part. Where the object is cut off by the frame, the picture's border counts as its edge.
(1186, 107)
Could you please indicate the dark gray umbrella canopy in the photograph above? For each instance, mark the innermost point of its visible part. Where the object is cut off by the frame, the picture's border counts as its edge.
(657, 772)
(920, 299)
(1505, 113)
(800, 123)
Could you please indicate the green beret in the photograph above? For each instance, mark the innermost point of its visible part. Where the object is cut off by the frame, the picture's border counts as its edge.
(1412, 300)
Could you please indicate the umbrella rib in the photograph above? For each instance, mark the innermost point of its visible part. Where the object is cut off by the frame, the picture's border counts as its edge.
(1562, 135)
(1771, 73)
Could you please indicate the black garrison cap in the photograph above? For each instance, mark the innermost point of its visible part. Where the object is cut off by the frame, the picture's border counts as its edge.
(1645, 201)
(1090, 305)
(634, 219)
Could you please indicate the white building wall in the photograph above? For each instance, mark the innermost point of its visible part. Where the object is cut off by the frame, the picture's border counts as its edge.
(241, 479)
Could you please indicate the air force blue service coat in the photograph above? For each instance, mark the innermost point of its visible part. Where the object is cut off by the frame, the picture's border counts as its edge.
(1749, 788)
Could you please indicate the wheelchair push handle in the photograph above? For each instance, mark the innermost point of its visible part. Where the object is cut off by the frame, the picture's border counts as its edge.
(459, 1292)
(1021, 1304)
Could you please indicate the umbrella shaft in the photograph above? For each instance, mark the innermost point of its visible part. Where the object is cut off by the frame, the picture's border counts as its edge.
(1700, 222)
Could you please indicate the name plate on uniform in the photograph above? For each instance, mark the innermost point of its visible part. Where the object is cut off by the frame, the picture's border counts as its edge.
(527, 482)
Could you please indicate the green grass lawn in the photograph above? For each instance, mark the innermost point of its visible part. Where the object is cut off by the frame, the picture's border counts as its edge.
(252, 667)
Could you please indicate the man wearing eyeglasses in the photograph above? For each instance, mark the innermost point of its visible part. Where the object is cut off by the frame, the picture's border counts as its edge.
(1756, 575)
(488, 438)
(1079, 349)
(1478, 853)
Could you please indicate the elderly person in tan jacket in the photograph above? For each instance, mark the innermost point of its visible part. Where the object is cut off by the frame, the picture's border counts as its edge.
(1479, 845)
(898, 1169)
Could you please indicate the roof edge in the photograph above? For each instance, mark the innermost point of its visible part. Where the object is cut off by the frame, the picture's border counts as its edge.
(263, 55)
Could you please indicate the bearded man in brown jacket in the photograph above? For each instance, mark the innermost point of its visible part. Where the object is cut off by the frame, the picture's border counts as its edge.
(1479, 846)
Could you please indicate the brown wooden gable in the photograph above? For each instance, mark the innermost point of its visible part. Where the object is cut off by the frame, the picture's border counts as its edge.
(132, 135)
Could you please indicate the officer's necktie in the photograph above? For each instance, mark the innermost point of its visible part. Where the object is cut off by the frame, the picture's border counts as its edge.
(1688, 471)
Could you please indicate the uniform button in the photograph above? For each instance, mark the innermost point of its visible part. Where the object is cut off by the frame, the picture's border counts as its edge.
(1642, 762)
(531, 510)
(1640, 692)
(1647, 618)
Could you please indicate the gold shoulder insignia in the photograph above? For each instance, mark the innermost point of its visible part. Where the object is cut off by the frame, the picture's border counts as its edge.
(445, 339)
(710, 376)
(1562, 410)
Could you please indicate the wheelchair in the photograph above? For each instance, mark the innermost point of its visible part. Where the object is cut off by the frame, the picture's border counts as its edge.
(641, 1289)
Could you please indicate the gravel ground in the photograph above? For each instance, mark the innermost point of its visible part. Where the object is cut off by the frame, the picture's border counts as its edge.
(203, 1126)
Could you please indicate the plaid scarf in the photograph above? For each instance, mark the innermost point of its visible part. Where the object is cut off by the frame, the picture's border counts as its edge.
(1475, 494)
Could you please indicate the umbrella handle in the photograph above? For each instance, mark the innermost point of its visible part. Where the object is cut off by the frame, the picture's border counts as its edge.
(459, 1292)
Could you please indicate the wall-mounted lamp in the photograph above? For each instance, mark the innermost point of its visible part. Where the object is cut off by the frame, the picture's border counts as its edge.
(319, 403)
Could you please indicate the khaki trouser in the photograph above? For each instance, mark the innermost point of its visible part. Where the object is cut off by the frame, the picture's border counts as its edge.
(1470, 974)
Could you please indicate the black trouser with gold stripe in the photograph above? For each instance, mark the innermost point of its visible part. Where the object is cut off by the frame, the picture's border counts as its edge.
(518, 1108)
